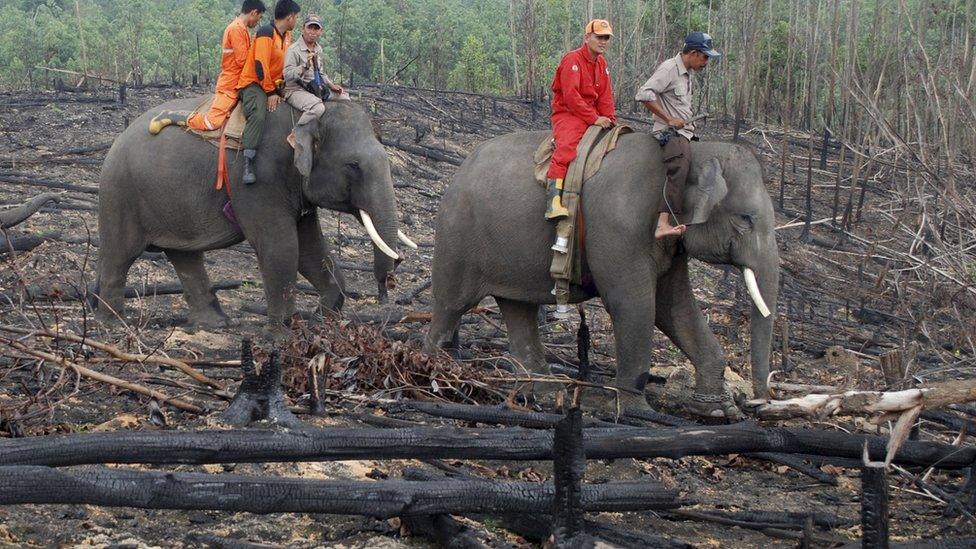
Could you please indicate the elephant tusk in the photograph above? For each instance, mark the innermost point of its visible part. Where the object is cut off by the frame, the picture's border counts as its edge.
(753, 288)
(409, 243)
(368, 223)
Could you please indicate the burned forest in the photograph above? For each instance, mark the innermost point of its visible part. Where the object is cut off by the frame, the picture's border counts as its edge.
(344, 430)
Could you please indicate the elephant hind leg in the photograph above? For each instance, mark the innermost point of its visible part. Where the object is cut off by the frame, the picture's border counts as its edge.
(204, 308)
(116, 255)
(444, 324)
(522, 321)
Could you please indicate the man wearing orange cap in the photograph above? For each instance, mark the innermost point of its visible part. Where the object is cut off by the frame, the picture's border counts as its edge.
(582, 96)
(235, 43)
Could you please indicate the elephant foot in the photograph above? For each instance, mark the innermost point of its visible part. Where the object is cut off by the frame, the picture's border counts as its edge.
(715, 407)
(616, 403)
(204, 319)
(276, 334)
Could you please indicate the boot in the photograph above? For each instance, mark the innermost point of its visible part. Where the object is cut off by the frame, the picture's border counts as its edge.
(249, 177)
(554, 199)
(166, 118)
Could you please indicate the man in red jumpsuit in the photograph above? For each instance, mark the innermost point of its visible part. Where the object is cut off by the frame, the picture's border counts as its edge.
(581, 97)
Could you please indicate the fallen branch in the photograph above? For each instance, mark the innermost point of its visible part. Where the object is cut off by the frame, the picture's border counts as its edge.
(426, 152)
(15, 216)
(514, 443)
(25, 179)
(36, 293)
(936, 395)
(118, 353)
(387, 499)
(104, 378)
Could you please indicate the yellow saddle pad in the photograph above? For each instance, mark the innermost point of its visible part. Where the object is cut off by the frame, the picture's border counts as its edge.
(234, 126)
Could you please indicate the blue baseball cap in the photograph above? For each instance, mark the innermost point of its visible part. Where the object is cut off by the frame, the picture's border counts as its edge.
(700, 41)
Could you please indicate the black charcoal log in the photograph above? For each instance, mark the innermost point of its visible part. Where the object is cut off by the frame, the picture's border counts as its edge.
(445, 530)
(539, 527)
(569, 468)
(515, 443)
(874, 507)
(386, 499)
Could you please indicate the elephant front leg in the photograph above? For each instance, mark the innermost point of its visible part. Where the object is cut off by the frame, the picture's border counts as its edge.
(681, 319)
(317, 265)
(278, 252)
(633, 330)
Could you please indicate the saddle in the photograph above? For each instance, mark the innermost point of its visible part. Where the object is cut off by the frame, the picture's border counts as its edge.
(569, 268)
(233, 127)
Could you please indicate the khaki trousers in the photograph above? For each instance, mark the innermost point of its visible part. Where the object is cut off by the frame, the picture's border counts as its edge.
(677, 160)
(310, 105)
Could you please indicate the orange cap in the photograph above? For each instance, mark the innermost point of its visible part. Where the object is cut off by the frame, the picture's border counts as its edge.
(599, 26)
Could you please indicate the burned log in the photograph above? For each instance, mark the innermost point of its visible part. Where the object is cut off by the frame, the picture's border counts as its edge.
(492, 415)
(258, 446)
(27, 179)
(387, 499)
(539, 527)
(24, 243)
(874, 507)
(15, 216)
(541, 420)
(569, 468)
(259, 396)
(445, 530)
(425, 151)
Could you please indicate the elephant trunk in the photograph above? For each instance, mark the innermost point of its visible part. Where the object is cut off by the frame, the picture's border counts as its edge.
(377, 211)
(766, 276)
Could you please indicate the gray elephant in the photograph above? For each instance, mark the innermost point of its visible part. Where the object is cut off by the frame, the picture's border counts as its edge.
(157, 193)
(492, 240)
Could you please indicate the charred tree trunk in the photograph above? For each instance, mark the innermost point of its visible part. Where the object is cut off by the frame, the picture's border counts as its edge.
(260, 396)
(258, 446)
(167, 490)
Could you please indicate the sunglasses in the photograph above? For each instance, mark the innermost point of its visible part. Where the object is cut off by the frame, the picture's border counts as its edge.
(602, 37)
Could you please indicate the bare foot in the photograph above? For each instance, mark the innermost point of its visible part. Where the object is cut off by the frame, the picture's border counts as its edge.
(291, 139)
(667, 230)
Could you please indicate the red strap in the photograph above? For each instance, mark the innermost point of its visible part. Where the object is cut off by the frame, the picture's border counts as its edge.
(222, 181)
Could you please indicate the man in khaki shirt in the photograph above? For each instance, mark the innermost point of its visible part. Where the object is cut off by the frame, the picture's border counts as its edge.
(303, 74)
(667, 94)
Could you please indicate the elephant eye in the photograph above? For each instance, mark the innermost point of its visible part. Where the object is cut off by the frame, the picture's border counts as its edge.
(354, 169)
(743, 222)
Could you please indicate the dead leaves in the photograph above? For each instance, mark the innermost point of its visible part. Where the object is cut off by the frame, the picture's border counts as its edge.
(345, 357)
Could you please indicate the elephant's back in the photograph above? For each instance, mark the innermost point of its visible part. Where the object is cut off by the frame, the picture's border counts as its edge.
(128, 157)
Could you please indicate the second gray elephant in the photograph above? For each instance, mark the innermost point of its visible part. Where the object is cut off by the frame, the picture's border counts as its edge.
(492, 240)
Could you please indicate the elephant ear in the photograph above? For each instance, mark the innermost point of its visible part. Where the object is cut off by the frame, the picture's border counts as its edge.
(305, 146)
(708, 191)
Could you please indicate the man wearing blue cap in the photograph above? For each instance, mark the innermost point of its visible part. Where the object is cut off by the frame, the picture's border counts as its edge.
(667, 94)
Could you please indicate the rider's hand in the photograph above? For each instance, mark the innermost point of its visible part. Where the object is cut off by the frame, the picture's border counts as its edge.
(273, 101)
(603, 122)
(337, 89)
(677, 122)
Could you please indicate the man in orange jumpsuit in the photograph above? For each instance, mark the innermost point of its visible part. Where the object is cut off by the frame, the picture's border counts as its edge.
(262, 79)
(235, 43)
(582, 96)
